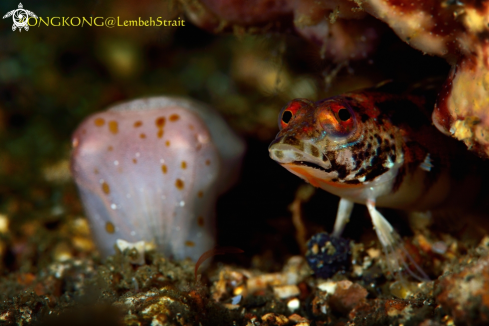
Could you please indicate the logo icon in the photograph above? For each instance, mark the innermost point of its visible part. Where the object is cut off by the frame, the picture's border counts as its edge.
(20, 17)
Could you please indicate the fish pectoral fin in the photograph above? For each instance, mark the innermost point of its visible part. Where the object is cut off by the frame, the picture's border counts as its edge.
(385, 232)
(397, 257)
(342, 216)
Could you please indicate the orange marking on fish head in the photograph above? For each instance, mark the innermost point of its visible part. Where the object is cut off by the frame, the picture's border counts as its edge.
(302, 171)
(305, 173)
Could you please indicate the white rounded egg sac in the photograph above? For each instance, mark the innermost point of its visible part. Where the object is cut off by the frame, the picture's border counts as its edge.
(151, 170)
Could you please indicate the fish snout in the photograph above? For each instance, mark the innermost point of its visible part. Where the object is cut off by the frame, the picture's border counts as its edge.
(282, 151)
(275, 141)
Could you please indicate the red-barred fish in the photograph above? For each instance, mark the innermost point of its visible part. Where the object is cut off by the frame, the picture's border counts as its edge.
(378, 147)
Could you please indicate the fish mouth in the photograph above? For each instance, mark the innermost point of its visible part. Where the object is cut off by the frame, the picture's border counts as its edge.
(285, 154)
(311, 165)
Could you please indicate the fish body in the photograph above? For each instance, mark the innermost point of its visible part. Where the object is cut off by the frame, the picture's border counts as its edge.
(376, 147)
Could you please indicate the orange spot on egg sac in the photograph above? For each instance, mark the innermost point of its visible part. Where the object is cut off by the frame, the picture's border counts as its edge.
(179, 184)
(160, 122)
(191, 127)
(138, 124)
(109, 227)
(105, 188)
(200, 221)
(134, 161)
(189, 243)
(184, 165)
(167, 143)
(207, 162)
(113, 127)
(174, 117)
(164, 168)
(200, 194)
(95, 171)
(99, 122)
(110, 148)
(142, 136)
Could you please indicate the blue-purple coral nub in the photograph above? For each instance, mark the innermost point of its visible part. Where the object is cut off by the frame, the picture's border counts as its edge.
(326, 255)
(151, 170)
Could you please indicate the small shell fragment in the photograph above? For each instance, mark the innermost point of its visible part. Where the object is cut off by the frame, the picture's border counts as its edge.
(286, 291)
(293, 304)
(138, 247)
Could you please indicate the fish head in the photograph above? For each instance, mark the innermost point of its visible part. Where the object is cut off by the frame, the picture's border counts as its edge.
(332, 141)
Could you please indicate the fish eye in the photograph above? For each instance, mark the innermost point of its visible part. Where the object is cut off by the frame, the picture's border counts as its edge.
(289, 111)
(344, 114)
(336, 117)
(286, 116)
